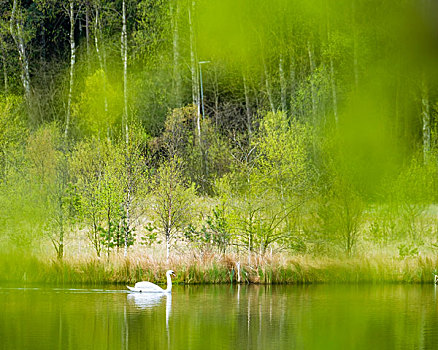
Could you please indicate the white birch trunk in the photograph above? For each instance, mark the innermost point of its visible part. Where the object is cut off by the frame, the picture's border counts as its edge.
(125, 122)
(100, 56)
(167, 248)
(72, 66)
(194, 71)
(124, 48)
(332, 71)
(128, 216)
(425, 113)
(17, 35)
(175, 46)
(4, 64)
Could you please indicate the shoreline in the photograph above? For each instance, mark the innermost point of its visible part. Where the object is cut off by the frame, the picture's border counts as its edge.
(214, 270)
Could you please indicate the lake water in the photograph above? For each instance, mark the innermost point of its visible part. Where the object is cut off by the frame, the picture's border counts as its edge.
(221, 317)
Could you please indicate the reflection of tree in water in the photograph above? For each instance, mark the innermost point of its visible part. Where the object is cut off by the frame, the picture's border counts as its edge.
(226, 317)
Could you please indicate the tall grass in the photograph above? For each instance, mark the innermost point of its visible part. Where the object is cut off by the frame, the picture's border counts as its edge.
(217, 269)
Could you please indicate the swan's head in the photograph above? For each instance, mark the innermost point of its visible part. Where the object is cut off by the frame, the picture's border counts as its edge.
(170, 273)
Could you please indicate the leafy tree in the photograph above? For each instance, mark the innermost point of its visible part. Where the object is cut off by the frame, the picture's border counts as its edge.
(98, 170)
(12, 132)
(48, 166)
(173, 198)
(341, 213)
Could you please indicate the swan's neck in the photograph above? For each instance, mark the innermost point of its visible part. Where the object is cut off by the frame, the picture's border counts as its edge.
(169, 283)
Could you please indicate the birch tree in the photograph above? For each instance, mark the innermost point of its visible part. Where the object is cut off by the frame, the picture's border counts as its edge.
(16, 23)
(425, 116)
(101, 54)
(124, 53)
(173, 201)
(71, 16)
(194, 68)
(72, 9)
(4, 63)
(175, 12)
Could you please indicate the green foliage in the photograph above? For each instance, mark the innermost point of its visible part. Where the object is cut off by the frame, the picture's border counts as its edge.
(407, 250)
(283, 155)
(99, 106)
(13, 132)
(220, 228)
(98, 170)
(341, 213)
(344, 161)
(150, 237)
(215, 232)
(173, 198)
(153, 28)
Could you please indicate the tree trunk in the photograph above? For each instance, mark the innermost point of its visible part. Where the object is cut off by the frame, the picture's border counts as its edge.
(72, 66)
(312, 86)
(292, 86)
(100, 56)
(216, 97)
(124, 48)
(175, 45)
(4, 64)
(425, 113)
(194, 71)
(17, 35)
(334, 94)
(128, 218)
(124, 52)
(167, 248)
(268, 87)
(247, 106)
(87, 33)
(332, 69)
(61, 243)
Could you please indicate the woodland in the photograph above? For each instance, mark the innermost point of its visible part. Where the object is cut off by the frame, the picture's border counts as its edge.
(284, 137)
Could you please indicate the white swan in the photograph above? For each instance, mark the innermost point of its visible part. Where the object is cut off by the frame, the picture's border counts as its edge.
(148, 287)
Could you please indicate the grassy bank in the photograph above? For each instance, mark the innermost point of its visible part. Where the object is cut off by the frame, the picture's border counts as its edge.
(215, 269)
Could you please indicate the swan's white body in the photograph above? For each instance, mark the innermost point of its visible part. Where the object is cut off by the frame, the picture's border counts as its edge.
(148, 287)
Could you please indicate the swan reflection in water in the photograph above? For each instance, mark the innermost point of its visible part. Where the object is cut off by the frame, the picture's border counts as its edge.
(151, 300)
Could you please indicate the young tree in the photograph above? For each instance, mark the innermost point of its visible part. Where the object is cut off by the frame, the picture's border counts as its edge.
(341, 214)
(134, 180)
(86, 164)
(49, 169)
(173, 201)
(99, 170)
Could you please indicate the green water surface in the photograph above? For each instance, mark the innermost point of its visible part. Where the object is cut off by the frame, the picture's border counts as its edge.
(221, 317)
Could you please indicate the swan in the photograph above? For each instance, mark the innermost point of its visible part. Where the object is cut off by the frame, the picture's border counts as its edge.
(148, 287)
